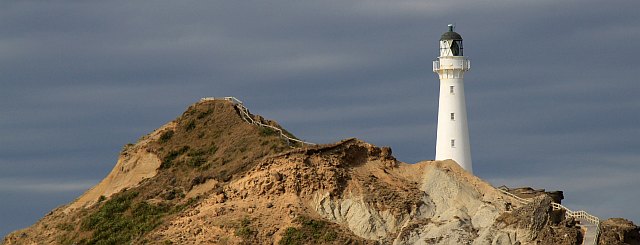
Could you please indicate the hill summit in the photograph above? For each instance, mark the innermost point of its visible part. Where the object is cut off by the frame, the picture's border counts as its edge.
(220, 175)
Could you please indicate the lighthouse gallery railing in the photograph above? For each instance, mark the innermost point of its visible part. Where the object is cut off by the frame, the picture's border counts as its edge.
(464, 65)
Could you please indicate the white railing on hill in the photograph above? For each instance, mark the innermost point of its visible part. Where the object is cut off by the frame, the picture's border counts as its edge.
(576, 214)
(246, 116)
(505, 191)
(581, 214)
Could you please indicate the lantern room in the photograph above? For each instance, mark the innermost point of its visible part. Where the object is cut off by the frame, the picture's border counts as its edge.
(451, 43)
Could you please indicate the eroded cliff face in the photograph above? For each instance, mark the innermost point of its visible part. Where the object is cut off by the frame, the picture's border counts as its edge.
(619, 231)
(211, 178)
(134, 165)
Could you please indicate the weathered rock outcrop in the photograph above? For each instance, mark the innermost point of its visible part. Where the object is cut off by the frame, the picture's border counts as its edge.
(528, 192)
(619, 231)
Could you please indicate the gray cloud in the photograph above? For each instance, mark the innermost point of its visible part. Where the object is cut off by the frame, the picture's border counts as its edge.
(40, 186)
(552, 93)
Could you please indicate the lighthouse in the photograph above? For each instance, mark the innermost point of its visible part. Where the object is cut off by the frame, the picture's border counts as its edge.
(452, 140)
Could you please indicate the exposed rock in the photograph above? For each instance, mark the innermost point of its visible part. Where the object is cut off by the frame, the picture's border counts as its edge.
(619, 231)
(564, 233)
(528, 192)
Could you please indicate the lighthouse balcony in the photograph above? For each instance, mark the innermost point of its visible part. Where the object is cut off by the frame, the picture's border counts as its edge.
(451, 64)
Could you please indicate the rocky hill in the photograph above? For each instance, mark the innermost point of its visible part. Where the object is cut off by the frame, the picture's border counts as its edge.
(210, 177)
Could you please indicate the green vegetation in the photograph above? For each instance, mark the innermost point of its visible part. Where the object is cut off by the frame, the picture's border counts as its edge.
(213, 149)
(198, 180)
(200, 148)
(245, 230)
(120, 220)
(190, 126)
(243, 149)
(266, 131)
(287, 133)
(274, 147)
(173, 193)
(65, 239)
(204, 114)
(167, 160)
(65, 226)
(197, 161)
(166, 136)
(310, 232)
(126, 148)
(196, 158)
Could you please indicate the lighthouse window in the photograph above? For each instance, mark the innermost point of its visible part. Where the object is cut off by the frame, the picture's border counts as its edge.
(451, 89)
(453, 143)
(455, 49)
(453, 116)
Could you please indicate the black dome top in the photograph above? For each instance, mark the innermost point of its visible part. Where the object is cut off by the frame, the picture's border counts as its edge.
(450, 35)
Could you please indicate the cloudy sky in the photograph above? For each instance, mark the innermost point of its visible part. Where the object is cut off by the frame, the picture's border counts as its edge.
(552, 95)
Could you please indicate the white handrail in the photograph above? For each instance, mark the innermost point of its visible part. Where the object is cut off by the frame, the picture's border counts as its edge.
(577, 214)
(581, 214)
(246, 116)
(519, 199)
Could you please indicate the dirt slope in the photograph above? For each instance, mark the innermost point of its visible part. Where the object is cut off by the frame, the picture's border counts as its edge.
(134, 165)
(209, 177)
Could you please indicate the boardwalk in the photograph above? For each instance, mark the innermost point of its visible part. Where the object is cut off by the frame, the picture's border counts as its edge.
(591, 231)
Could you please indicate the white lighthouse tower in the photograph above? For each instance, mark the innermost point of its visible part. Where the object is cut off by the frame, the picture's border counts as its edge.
(453, 134)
